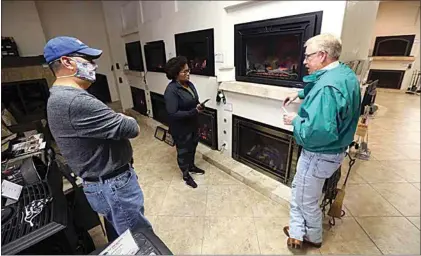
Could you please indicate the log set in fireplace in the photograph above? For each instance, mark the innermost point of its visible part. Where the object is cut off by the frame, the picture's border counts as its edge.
(272, 51)
(265, 148)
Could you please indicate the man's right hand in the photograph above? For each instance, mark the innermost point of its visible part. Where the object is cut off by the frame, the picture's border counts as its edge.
(290, 98)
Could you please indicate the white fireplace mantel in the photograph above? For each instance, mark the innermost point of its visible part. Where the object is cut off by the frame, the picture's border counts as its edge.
(258, 90)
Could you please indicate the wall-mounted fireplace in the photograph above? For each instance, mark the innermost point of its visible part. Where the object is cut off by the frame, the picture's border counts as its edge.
(198, 48)
(159, 110)
(155, 56)
(265, 148)
(139, 100)
(208, 128)
(393, 45)
(391, 79)
(272, 51)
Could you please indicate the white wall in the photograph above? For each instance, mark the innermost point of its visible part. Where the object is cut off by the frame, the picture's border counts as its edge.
(83, 20)
(113, 22)
(398, 18)
(358, 29)
(20, 20)
(160, 20)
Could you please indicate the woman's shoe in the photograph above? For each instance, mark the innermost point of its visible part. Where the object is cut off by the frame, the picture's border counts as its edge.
(190, 181)
(197, 170)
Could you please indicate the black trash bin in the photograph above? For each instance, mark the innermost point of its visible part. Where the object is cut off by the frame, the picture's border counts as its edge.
(147, 241)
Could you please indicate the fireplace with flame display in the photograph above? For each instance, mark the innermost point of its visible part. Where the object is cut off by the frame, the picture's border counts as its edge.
(265, 148)
(155, 56)
(198, 48)
(272, 51)
(208, 133)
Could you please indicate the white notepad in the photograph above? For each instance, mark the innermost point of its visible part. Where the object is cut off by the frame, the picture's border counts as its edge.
(10, 190)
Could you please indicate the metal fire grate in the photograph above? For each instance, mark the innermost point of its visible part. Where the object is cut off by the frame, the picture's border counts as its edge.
(16, 233)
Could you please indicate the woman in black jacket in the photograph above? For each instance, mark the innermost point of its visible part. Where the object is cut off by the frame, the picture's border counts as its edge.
(183, 107)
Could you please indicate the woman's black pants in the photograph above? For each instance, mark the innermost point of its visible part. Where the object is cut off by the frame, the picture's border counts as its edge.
(186, 149)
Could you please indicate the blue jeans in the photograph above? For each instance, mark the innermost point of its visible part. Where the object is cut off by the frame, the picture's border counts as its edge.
(305, 213)
(119, 199)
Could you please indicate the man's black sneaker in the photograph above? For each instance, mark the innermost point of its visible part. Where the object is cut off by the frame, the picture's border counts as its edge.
(189, 181)
(197, 170)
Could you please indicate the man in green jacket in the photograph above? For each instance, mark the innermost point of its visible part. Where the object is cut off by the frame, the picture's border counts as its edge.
(324, 126)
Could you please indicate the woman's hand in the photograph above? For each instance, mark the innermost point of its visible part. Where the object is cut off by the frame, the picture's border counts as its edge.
(199, 108)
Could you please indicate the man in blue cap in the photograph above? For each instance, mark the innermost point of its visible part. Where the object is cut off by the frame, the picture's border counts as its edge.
(93, 138)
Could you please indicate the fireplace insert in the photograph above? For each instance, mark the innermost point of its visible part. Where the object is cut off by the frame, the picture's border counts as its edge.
(393, 45)
(198, 48)
(208, 132)
(272, 51)
(155, 56)
(391, 79)
(159, 109)
(265, 148)
(134, 56)
(139, 100)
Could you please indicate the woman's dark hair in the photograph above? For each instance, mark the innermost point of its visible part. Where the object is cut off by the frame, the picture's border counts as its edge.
(174, 66)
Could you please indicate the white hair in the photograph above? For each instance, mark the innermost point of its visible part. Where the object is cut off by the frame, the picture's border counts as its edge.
(327, 43)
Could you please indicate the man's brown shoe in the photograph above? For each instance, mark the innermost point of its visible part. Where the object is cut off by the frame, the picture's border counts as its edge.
(317, 245)
(294, 243)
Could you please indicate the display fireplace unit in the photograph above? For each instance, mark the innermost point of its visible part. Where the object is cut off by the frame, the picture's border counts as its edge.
(155, 56)
(159, 109)
(208, 128)
(134, 56)
(393, 45)
(391, 79)
(272, 51)
(265, 148)
(139, 100)
(198, 48)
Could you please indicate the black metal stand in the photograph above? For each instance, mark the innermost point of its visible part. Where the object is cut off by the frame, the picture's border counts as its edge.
(330, 189)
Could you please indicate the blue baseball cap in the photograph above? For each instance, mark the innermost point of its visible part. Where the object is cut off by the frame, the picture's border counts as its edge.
(64, 45)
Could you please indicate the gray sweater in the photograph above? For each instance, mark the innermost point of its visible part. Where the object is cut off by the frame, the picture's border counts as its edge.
(92, 137)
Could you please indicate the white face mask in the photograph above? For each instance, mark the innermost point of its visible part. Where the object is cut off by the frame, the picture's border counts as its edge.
(85, 71)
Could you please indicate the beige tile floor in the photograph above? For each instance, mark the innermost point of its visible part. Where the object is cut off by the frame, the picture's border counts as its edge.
(224, 216)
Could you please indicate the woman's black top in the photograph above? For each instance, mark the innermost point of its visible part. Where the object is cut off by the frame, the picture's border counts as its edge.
(181, 108)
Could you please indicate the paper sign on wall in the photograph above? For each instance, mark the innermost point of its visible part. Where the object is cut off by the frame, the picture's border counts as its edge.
(219, 58)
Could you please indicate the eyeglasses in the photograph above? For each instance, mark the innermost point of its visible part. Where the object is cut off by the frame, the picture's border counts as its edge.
(185, 71)
(83, 56)
(306, 56)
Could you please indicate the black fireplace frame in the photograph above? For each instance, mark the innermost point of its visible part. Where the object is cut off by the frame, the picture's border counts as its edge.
(138, 107)
(154, 45)
(380, 85)
(307, 25)
(275, 133)
(158, 97)
(409, 39)
(194, 36)
(213, 113)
